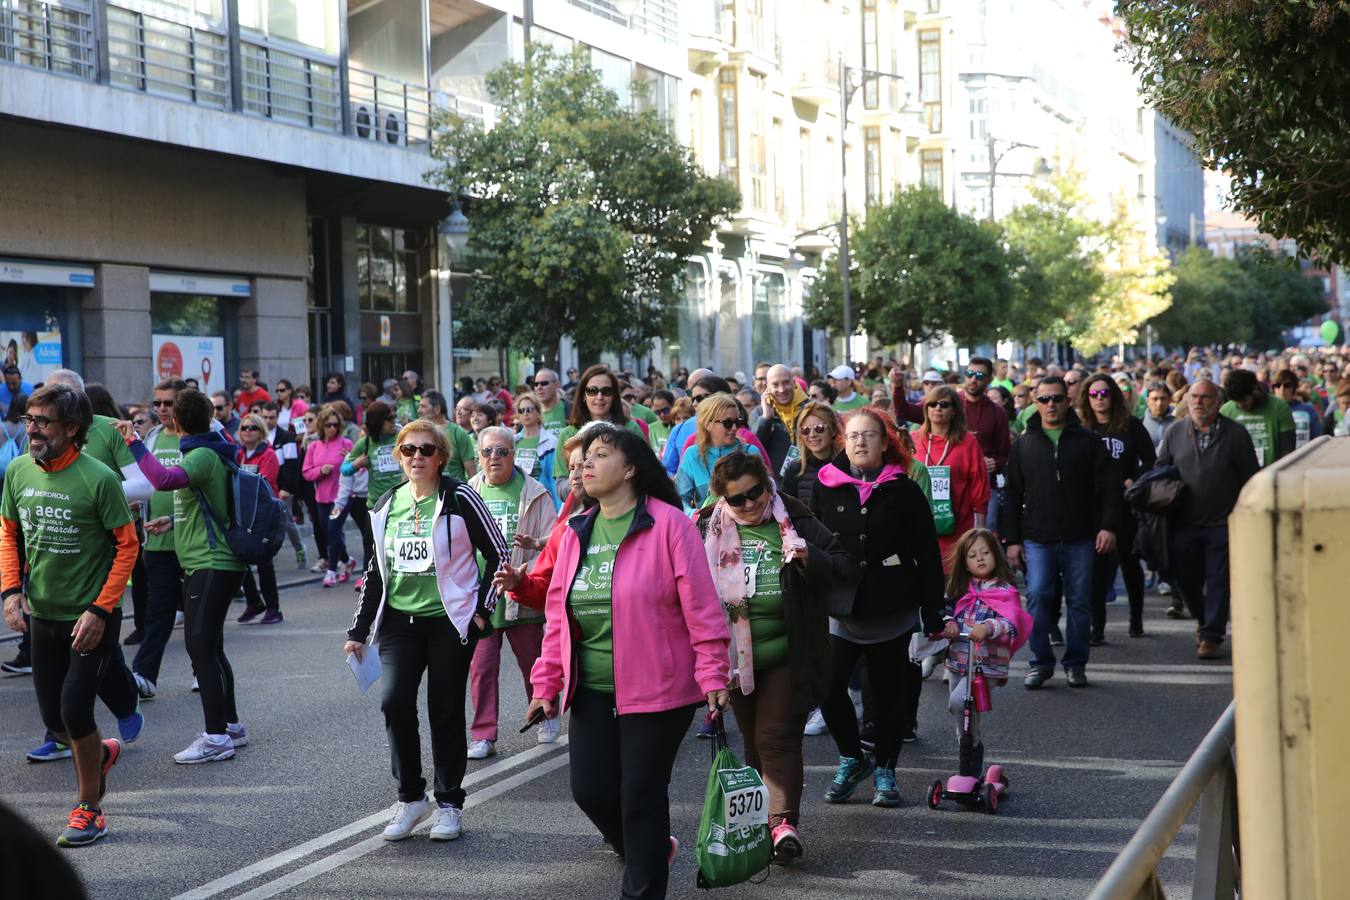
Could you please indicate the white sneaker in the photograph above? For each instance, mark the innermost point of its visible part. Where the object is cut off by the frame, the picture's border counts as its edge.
(928, 666)
(406, 817)
(196, 688)
(238, 734)
(206, 748)
(144, 686)
(448, 822)
(815, 724)
(549, 729)
(178, 619)
(482, 749)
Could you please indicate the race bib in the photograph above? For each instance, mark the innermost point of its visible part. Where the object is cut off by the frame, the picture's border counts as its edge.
(412, 553)
(747, 807)
(944, 516)
(383, 460)
(249, 467)
(1260, 437)
(528, 461)
(1302, 427)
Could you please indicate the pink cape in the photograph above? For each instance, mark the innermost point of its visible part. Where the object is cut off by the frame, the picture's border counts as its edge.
(1008, 604)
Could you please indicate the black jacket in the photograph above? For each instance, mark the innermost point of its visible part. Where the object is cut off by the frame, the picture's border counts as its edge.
(799, 484)
(1130, 454)
(827, 568)
(1067, 493)
(776, 437)
(290, 477)
(894, 542)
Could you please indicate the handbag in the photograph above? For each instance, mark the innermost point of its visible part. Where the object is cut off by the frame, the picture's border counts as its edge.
(733, 834)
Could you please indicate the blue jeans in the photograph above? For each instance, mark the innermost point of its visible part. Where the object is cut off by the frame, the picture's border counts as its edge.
(1069, 562)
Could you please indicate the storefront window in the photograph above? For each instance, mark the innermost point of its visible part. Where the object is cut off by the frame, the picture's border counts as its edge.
(767, 315)
(389, 269)
(31, 324)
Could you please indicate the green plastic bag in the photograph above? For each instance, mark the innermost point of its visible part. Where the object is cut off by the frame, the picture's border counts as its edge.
(733, 835)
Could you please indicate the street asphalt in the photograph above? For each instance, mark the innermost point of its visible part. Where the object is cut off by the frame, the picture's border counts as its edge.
(298, 812)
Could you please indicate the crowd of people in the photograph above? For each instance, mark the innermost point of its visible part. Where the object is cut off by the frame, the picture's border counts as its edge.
(797, 552)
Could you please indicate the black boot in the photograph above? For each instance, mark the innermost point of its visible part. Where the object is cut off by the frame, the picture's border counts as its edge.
(969, 763)
(977, 760)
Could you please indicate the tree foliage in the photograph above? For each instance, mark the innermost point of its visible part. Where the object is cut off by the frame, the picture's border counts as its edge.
(583, 211)
(920, 269)
(1251, 299)
(1264, 87)
(1136, 277)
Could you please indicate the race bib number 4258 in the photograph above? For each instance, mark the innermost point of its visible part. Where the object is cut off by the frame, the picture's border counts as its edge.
(412, 554)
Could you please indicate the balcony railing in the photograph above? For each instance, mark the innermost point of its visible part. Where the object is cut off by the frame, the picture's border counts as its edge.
(170, 59)
(482, 112)
(291, 87)
(55, 36)
(387, 109)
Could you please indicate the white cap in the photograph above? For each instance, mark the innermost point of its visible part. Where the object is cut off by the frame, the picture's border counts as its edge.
(842, 373)
(932, 375)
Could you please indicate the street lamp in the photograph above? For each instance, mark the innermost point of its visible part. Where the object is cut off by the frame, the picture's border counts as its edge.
(455, 229)
(1041, 170)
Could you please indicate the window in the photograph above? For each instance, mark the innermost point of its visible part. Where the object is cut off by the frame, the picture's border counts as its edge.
(776, 162)
(660, 94)
(388, 269)
(728, 145)
(298, 21)
(897, 158)
(934, 6)
(872, 163)
(759, 163)
(979, 124)
(930, 78)
(870, 57)
(931, 171)
(615, 72)
(752, 13)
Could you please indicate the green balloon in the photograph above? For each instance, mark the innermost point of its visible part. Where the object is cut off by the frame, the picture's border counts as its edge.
(1331, 331)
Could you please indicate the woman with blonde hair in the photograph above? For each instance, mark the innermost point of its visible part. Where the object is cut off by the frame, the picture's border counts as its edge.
(956, 471)
(819, 440)
(719, 421)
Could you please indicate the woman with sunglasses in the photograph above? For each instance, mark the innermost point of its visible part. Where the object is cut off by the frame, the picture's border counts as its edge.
(323, 466)
(535, 446)
(424, 606)
(885, 523)
(1104, 410)
(663, 408)
(634, 642)
(819, 439)
(290, 406)
(720, 419)
(597, 400)
(372, 453)
(255, 454)
(773, 563)
(956, 471)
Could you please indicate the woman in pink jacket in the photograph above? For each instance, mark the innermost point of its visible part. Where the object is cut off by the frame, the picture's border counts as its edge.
(323, 463)
(635, 639)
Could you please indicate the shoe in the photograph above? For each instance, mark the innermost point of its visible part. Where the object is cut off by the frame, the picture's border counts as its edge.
(85, 826)
(145, 688)
(1076, 677)
(1136, 630)
(21, 664)
(48, 752)
(131, 727)
(134, 638)
(928, 666)
(815, 724)
(447, 822)
(273, 617)
(705, 728)
(674, 848)
(206, 748)
(1207, 649)
(847, 777)
(549, 729)
(238, 734)
(1097, 641)
(1036, 678)
(301, 559)
(482, 749)
(406, 817)
(359, 584)
(330, 579)
(787, 844)
(196, 687)
(248, 616)
(320, 566)
(910, 736)
(1056, 636)
(112, 752)
(1164, 588)
(178, 619)
(1175, 612)
(344, 575)
(886, 793)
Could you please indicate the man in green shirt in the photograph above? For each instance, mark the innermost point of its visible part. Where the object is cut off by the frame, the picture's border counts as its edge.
(1267, 419)
(553, 409)
(842, 380)
(461, 464)
(525, 514)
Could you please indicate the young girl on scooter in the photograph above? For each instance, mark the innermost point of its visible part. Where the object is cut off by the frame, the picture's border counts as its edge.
(987, 607)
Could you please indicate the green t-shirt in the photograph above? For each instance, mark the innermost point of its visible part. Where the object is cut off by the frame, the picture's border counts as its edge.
(161, 502)
(503, 502)
(106, 445)
(638, 411)
(1053, 434)
(1264, 422)
(382, 463)
(461, 451)
(208, 474)
(1004, 383)
(918, 473)
(527, 458)
(591, 600)
(658, 433)
(406, 411)
(409, 558)
(553, 420)
(762, 562)
(1019, 424)
(856, 402)
(65, 518)
(560, 459)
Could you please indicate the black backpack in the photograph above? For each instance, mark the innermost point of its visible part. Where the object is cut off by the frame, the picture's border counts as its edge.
(256, 529)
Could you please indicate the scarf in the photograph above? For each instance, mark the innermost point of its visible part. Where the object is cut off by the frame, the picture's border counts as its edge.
(1004, 600)
(788, 413)
(723, 546)
(831, 475)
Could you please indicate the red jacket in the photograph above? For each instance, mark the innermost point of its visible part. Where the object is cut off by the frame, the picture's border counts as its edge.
(969, 485)
(532, 591)
(265, 459)
(984, 418)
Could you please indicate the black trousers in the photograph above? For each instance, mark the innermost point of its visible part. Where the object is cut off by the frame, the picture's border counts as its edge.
(207, 595)
(140, 583)
(1200, 567)
(165, 578)
(267, 577)
(893, 678)
(620, 768)
(410, 646)
(1104, 575)
(67, 681)
(359, 510)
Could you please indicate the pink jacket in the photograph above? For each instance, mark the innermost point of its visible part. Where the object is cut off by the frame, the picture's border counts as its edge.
(670, 634)
(316, 455)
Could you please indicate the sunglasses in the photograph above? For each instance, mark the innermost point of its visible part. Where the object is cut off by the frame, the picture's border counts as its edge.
(978, 375)
(697, 398)
(249, 428)
(1099, 394)
(728, 424)
(140, 423)
(411, 450)
(814, 429)
(218, 408)
(499, 452)
(1072, 381)
(522, 410)
(170, 403)
(750, 496)
(332, 424)
(543, 382)
(663, 411)
(1047, 399)
(939, 404)
(596, 390)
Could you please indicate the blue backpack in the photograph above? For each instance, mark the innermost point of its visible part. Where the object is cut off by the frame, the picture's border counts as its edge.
(256, 529)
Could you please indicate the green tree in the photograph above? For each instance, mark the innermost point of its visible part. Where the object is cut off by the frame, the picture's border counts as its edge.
(1264, 87)
(1281, 295)
(920, 269)
(1135, 283)
(583, 211)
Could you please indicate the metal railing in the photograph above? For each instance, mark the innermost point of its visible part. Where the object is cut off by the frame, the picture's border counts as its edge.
(1210, 779)
(387, 109)
(170, 59)
(291, 87)
(658, 18)
(480, 112)
(49, 34)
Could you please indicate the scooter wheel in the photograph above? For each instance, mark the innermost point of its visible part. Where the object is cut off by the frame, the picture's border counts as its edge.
(990, 798)
(935, 795)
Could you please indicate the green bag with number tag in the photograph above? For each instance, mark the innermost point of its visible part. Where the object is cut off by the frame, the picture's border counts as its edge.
(733, 835)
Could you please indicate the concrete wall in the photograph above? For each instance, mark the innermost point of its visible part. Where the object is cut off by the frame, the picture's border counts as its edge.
(273, 333)
(115, 326)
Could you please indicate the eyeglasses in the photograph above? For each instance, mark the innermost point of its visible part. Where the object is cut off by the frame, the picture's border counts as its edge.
(977, 374)
(543, 382)
(814, 429)
(862, 437)
(1099, 394)
(411, 450)
(728, 424)
(750, 496)
(249, 428)
(218, 408)
(332, 423)
(170, 403)
(522, 410)
(630, 398)
(499, 452)
(939, 404)
(595, 390)
(1047, 399)
(1072, 381)
(40, 421)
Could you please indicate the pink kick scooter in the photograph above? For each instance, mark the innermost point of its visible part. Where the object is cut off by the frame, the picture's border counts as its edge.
(972, 790)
